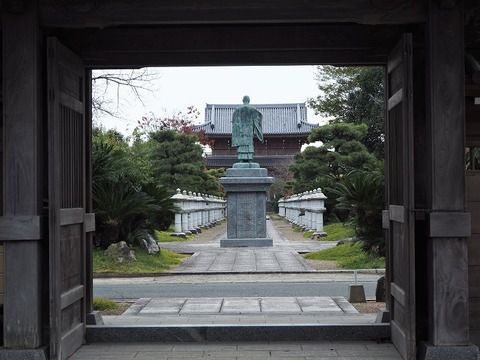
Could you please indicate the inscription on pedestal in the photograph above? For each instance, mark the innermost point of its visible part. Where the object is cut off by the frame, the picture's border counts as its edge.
(246, 207)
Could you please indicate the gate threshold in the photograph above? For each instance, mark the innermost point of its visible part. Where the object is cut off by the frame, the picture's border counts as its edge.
(235, 332)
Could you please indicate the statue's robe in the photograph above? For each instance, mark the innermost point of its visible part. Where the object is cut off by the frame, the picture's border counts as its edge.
(246, 123)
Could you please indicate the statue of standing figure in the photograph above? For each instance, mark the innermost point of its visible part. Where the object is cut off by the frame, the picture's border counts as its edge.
(246, 124)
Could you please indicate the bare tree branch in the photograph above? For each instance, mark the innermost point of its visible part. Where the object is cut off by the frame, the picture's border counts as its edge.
(125, 82)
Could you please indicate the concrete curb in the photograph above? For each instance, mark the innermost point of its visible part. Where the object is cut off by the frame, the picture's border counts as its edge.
(143, 275)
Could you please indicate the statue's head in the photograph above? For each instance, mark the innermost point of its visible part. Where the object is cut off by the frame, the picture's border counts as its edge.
(246, 99)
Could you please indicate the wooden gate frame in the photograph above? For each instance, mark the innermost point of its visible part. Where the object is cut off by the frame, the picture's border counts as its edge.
(23, 33)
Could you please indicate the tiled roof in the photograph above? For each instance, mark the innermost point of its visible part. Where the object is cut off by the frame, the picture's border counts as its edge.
(278, 119)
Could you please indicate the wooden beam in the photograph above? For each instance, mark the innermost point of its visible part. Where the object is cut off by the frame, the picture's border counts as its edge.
(155, 12)
(21, 228)
(23, 176)
(448, 282)
(231, 44)
(450, 224)
(310, 57)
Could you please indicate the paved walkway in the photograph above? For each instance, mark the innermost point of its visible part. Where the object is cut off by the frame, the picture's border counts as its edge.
(241, 310)
(312, 350)
(208, 257)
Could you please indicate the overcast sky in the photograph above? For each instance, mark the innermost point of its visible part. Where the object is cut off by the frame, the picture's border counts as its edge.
(177, 88)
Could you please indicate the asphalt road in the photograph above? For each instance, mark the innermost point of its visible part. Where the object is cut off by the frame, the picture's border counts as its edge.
(228, 289)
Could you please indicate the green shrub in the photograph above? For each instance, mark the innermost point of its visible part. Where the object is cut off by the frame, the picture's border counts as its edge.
(361, 193)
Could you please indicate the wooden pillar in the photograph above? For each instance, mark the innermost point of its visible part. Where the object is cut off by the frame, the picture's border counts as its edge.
(25, 317)
(449, 224)
(88, 193)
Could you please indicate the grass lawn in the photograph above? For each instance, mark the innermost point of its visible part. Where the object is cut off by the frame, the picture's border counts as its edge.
(109, 307)
(102, 304)
(164, 236)
(348, 256)
(145, 263)
(337, 231)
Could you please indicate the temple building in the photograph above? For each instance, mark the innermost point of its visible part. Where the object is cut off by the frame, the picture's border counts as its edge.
(285, 130)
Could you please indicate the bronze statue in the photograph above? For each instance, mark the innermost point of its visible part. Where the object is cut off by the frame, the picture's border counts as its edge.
(246, 123)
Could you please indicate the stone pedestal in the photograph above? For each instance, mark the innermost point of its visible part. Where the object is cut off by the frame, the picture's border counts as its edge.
(246, 190)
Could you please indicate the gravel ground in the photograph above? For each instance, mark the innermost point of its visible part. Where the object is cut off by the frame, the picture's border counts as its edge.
(214, 233)
(370, 307)
(286, 231)
(322, 264)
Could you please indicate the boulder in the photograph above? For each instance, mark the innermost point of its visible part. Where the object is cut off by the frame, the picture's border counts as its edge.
(120, 252)
(347, 241)
(150, 244)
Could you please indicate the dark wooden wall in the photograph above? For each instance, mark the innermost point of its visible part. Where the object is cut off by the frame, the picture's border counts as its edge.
(473, 205)
(2, 270)
(270, 146)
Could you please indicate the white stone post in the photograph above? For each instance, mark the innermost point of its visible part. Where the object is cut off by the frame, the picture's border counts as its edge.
(180, 228)
(319, 207)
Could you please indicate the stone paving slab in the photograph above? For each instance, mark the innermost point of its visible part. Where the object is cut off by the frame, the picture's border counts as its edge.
(244, 260)
(358, 350)
(200, 306)
(208, 257)
(241, 305)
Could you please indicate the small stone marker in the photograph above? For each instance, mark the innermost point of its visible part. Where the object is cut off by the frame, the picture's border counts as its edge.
(356, 294)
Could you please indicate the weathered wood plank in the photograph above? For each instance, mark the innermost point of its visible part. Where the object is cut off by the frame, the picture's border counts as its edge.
(395, 99)
(400, 196)
(21, 228)
(397, 213)
(474, 280)
(152, 12)
(23, 176)
(230, 58)
(385, 219)
(66, 200)
(71, 216)
(2, 273)
(448, 310)
(450, 224)
(449, 322)
(88, 195)
(70, 340)
(398, 293)
(89, 222)
(71, 296)
(399, 337)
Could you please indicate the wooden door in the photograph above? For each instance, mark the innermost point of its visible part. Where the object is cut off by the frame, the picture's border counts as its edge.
(66, 198)
(400, 200)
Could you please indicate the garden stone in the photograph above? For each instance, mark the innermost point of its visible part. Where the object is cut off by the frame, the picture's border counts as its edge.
(150, 244)
(120, 252)
(350, 240)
